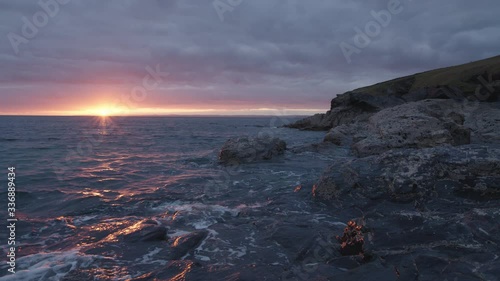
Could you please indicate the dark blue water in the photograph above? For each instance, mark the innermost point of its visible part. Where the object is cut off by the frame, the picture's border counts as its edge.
(83, 183)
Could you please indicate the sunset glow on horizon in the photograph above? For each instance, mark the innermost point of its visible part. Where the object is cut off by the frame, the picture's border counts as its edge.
(110, 111)
(121, 101)
(183, 59)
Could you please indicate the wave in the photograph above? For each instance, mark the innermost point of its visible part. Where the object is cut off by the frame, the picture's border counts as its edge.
(54, 264)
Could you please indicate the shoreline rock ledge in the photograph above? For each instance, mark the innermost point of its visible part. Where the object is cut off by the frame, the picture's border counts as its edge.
(421, 172)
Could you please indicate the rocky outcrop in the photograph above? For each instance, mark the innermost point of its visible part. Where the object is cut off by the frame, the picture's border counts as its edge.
(429, 213)
(425, 123)
(422, 124)
(343, 114)
(469, 171)
(418, 158)
(147, 231)
(250, 149)
(477, 81)
(185, 244)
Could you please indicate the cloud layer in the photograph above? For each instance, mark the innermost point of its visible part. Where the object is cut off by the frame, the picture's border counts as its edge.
(259, 54)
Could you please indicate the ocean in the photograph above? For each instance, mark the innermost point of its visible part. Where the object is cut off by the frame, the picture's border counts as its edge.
(84, 184)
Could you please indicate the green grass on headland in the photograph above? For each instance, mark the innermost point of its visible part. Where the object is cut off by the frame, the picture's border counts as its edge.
(464, 77)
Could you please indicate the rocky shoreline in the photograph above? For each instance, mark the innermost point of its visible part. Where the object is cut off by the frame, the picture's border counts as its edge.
(423, 171)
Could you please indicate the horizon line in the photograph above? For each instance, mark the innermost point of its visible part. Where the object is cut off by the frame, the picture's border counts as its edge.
(159, 115)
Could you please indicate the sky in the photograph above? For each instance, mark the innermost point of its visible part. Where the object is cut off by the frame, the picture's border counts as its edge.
(230, 57)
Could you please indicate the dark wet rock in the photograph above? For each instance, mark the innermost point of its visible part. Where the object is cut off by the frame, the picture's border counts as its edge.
(251, 149)
(189, 270)
(453, 239)
(292, 238)
(431, 267)
(491, 271)
(146, 232)
(348, 262)
(405, 175)
(186, 244)
(371, 271)
(304, 243)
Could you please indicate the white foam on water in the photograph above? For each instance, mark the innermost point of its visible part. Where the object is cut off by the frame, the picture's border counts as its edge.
(177, 233)
(148, 258)
(336, 223)
(323, 218)
(211, 235)
(252, 241)
(287, 174)
(245, 206)
(202, 258)
(206, 215)
(238, 252)
(82, 219)
(51, 266)
(202, 224)
(179, 206)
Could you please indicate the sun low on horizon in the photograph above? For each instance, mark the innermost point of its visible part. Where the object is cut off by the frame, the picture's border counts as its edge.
(102, 112)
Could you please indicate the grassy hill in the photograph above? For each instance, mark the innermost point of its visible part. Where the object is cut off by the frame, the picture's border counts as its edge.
(463, 77)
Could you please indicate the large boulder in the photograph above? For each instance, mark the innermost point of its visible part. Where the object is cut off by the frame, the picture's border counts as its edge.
(148, 230)
(186, 244)
(250, 149)
(346, 135)
(338, 135)
(426, 123)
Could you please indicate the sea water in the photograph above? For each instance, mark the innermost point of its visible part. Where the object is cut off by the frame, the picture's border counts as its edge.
(82, 182)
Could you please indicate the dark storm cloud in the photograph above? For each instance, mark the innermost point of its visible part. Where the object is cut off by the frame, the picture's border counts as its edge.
(270, 53)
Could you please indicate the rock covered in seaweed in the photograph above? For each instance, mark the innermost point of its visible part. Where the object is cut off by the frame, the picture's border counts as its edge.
(352, 240)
